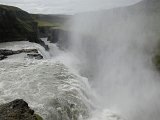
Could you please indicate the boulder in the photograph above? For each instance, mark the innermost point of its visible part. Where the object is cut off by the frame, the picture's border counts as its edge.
(17, 110)
(2, 57)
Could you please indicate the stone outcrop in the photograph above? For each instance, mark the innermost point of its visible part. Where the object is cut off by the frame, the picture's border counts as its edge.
(2, 57)
(33, 53)
(17, 110)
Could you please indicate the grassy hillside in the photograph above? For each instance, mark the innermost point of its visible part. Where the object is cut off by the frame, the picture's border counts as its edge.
(50, 20)
(16, 24)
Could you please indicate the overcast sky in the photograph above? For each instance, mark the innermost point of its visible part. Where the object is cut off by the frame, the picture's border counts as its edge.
(66, 6)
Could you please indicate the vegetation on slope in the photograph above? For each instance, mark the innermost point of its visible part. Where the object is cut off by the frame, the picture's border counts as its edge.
(16, 25)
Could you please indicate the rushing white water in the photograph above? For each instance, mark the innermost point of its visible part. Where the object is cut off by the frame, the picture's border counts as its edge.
(49, 88)
(52, 87)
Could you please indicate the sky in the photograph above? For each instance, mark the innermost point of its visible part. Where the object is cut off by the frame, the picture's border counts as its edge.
(66, 6)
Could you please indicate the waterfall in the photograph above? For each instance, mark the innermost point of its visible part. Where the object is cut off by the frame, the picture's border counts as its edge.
(105, 73)
(115, 51)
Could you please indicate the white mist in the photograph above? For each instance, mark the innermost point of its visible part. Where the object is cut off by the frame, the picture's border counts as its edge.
(115, 51)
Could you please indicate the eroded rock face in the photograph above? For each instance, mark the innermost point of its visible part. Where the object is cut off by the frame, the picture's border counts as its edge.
(18, 25)
(59, 36)
(16, 110)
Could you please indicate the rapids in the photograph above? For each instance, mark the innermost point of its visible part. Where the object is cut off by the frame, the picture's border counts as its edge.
(53, 87)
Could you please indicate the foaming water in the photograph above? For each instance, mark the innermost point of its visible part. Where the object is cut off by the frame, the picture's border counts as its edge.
(49, 88)
(53, 87)
(105, 115)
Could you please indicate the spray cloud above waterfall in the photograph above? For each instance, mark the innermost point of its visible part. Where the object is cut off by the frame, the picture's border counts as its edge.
(115, 50)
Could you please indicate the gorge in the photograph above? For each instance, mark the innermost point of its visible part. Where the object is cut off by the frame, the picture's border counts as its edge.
(103, 65)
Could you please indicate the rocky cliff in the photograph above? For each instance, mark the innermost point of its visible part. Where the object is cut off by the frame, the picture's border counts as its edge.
(16, 25)
(17, 110)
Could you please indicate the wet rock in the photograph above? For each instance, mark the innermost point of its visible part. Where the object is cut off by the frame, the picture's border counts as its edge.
(56, 34)
(17, 110)
(42, 43)
(12, 52)
(4, 53)
(2, 57)
(28, 50)
(36, 56)
(59, 36)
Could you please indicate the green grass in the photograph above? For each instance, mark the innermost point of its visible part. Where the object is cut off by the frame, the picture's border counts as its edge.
(47, 24)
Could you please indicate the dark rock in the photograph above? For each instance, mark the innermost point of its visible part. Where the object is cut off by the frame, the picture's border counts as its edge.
(54, 35)
(2, 57)
(36, 56)
(44, 45)
(28, 50)
(16, 110)
(12, 52)
(4, 53)
(59, 36)
(18, 25)
(44, 31)
(156, 61)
